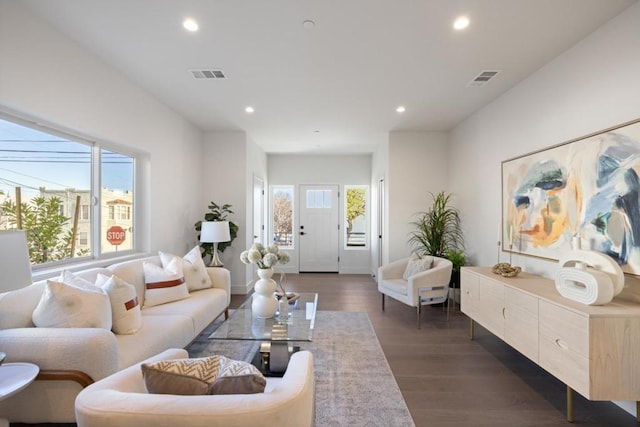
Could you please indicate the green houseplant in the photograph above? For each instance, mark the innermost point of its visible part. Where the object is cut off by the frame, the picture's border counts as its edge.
(217, 213)
(438, 232)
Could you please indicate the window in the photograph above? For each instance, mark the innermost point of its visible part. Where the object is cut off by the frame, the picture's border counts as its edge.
(45, 174)
(319, 199)
(282, 208)
(83, 238)
(356, 216)
(84, 212)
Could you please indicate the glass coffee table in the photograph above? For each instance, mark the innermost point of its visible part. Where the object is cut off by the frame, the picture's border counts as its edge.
(276, 332)
(296, 326)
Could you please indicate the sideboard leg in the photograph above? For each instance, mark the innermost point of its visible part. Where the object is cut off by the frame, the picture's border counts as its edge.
(471, 331)
(569, 404)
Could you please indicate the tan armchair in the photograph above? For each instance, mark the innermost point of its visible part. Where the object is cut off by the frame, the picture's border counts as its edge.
(423, 288)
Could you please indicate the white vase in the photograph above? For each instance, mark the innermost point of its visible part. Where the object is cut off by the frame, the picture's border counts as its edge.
(264, 304)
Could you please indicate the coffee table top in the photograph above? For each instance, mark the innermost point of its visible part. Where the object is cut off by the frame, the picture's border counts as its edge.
(298, 325)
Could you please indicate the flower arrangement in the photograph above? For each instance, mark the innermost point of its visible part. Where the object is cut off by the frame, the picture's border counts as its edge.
(264, 257)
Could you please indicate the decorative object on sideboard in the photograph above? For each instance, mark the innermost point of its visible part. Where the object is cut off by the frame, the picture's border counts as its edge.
(215, 232)
(505, 269)
(594, 278)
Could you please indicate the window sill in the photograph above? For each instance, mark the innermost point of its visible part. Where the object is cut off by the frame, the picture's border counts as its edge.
(47, 273)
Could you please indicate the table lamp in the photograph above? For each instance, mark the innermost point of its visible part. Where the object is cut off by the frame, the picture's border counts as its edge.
(215, 232)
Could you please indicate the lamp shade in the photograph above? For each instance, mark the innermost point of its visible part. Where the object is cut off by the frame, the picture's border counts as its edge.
(14, 262)
(215, 231)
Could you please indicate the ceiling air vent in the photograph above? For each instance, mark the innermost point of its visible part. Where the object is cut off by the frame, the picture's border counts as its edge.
(483, 78)
(208, 74)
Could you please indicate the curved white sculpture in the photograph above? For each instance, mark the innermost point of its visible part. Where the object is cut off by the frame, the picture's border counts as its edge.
(594, 279)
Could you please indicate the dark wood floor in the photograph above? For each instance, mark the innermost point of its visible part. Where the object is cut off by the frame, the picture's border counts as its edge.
(447, 379)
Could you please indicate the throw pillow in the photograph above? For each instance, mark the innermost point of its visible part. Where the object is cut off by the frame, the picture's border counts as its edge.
(195, 272)
(415, 266)
(67, 306)
(163, 285)
(206, 375)
(125, 310)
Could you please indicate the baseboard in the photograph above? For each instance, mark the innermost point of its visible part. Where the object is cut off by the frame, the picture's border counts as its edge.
(241, 289)
(354, 270)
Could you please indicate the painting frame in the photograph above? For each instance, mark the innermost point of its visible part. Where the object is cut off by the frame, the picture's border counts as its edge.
(579, 194)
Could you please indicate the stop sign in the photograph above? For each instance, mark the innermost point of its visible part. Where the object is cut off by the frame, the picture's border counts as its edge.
(115, 235)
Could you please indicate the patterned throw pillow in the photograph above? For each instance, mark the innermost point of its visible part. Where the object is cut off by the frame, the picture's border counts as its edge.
(163, 285)
(72, 302)
(125, 309)
(417, 265)
(195, 272)
(206, 375)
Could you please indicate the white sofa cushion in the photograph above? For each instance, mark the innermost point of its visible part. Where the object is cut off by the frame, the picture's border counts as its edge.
(125, 309)
(195, 272)
(163, 285)
(68, 306)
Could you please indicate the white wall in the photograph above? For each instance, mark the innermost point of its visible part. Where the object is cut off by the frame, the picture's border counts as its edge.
(224, 175)
(289, 169)
(46, 76)
(417, 167)
(590, 87)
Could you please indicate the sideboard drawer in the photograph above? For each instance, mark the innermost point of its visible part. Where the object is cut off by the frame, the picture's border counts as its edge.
(469, 295)
(564, 346)
(570, 329)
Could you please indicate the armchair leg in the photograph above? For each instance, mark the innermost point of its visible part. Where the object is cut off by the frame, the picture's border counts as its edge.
(382, 302)
(418, 315)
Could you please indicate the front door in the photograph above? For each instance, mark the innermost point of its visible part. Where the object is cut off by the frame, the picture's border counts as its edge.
(319, 228)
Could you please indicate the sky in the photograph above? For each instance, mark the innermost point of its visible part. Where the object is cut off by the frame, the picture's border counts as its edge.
(32, 158)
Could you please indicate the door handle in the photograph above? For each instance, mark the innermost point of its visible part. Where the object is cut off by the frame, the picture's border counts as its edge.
(302, 233)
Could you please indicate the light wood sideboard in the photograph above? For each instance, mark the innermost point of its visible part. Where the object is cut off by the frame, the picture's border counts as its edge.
(594, 350)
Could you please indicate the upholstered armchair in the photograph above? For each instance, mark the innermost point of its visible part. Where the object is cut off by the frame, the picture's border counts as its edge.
(411, 281)
(122, 400)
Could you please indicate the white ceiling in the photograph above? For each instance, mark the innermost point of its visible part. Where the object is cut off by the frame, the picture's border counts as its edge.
(334, 88)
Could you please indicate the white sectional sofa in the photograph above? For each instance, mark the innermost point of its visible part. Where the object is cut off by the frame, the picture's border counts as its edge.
(71, 358)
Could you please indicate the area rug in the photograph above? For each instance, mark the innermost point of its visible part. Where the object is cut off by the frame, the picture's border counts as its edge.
(354, 384)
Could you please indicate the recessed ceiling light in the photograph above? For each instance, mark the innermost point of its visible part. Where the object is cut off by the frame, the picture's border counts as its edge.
(249, 110)
(190, 25)
(401, 109)
(461, 23)
(308, 24)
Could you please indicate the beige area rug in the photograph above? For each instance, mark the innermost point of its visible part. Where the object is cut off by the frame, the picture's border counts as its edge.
(354, 384)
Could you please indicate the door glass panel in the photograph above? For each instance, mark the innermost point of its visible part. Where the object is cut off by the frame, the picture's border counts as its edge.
(327, 199)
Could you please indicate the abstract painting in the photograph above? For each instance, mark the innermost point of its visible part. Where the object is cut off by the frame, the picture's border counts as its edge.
(582, 192)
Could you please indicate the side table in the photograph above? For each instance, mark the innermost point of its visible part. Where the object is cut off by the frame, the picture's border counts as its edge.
(14, 377)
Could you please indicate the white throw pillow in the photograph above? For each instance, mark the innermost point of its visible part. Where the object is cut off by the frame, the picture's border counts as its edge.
(417, 265)
(68, 306)
(195, 272)
(125, 309)
(164, 285)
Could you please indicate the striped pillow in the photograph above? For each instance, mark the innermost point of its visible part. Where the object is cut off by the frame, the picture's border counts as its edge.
(163, 285)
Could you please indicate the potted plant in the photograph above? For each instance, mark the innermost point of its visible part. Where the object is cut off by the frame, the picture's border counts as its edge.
(438, 229)
(217, 213)
(438, 232)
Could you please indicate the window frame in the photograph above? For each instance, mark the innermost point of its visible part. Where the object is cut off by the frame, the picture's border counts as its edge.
(272, 189)
(95, 216)
(367, 218)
